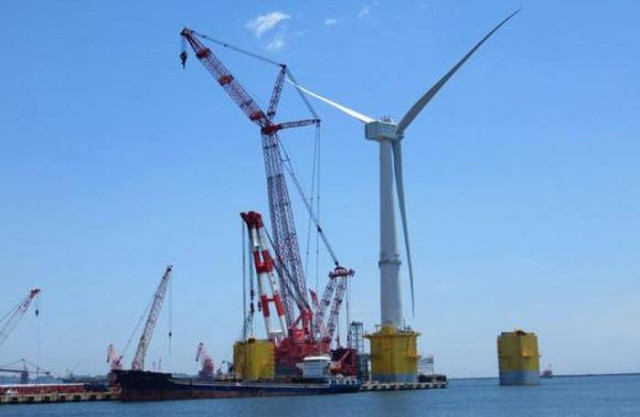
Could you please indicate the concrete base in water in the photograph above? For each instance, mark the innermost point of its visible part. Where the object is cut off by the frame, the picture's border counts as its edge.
(394, 355)
(519, 378)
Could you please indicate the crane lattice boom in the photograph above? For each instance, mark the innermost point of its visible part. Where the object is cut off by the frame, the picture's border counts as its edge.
(338, 283)
(150, 325)
(281, 214)
(15, 314)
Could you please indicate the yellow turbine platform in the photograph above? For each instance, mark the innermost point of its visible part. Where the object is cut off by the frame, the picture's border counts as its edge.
(518, 358)
(254, 359)
(394, 355)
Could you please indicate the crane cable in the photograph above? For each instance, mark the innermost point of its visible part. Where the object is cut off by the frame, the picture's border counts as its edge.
(287, 159)
(170, 318)
(135, 330)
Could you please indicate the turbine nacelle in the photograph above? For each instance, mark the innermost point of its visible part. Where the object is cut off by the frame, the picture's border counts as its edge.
(380, 130)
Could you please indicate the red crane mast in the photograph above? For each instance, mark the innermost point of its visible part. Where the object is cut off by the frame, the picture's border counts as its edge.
(281, 214)
(306, 332)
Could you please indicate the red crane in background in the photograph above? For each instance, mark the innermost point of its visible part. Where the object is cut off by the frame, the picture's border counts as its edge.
(206, 362)
(14, 315)
(113, 359)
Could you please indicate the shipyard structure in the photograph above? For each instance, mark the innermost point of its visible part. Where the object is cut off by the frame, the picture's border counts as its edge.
(518, 358)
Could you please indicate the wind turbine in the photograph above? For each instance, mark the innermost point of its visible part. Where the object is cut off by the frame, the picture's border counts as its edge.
(389, 135)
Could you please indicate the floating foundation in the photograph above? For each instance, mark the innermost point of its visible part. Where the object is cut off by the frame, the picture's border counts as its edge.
(254, 360)
(394, 355)
(518, 358)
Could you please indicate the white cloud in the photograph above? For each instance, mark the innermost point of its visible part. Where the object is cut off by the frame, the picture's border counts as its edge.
(330, 21)
(263, 24)
(364, 12)
(276, 43)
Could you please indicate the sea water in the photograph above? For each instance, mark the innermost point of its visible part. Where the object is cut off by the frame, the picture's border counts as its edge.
(584, 396)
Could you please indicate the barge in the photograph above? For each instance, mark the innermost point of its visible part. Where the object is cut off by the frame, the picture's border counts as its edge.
(156, 386)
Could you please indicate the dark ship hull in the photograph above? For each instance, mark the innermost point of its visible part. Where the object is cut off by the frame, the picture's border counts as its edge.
(156, 386)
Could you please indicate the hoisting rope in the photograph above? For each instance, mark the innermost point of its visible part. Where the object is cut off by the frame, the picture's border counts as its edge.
(233, 48)
(301, 299)
(170, 316)
(135, 330)
(286, 163)
(312, 194)
(287, 159)
(244, 269)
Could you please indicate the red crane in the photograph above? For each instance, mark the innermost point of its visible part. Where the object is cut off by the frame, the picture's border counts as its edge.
(302, 336)
(286, 241)
(113, 359)
(206, 362)
(14, 315)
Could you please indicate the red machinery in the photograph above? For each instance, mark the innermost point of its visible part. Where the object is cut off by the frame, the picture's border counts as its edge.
(298, 335)
(113, 359)
(206, 362)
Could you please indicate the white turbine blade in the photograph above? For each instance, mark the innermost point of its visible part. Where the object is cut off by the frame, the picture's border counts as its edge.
(350, 112)
(424, 100)
(397, 166)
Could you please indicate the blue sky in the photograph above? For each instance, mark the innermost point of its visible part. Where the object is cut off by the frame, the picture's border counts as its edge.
(521, 176)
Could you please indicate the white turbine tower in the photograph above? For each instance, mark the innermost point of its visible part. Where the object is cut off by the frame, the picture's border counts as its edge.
(389, 136)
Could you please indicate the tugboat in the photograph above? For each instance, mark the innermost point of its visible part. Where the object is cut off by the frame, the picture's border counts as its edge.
(156, 386)
(547, 372)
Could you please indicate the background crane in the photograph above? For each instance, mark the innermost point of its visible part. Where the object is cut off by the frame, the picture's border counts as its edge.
(206, 362)
(9, 321)
(150, 324)
(113, 359)
(24, 371)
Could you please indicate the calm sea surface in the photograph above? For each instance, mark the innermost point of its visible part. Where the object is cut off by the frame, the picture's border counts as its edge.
(562, 396)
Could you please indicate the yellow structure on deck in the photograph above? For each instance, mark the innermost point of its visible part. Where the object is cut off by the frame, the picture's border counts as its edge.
(518, 358)
(254, 359)
(394, 355)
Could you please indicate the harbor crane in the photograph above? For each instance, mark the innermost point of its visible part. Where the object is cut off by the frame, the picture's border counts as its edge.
(113, 358)
(11, 319)
(206, 362)
(152, 319)
(25, 371)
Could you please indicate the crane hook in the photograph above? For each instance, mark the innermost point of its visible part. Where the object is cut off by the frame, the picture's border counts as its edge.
(183, 58)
